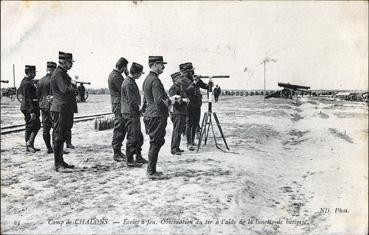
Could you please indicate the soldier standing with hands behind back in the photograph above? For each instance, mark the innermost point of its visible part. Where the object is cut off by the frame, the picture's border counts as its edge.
(156, 114)
(44, 94)
(179, 113)
(115, 81)
(131, 102)
(62, 107)
(30, 107)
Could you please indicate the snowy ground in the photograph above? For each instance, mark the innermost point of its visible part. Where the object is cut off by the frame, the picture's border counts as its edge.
(291, 164)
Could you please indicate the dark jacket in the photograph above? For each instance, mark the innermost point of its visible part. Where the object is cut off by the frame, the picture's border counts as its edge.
(30, 100)
(155, 98)
(178, 108)
(115, 81)
(43, 90)
(195, 94)
(64, 93)
(131, 98)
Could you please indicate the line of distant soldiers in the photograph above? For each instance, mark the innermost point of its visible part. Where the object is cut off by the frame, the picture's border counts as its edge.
(56, 97)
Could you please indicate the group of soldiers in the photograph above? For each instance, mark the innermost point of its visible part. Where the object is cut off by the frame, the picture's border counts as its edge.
(183, 104)
(55, 96)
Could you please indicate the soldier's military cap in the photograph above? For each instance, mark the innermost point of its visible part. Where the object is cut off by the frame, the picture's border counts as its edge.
(175, 75)
(186, 66)
(156, 59)
(65, 56)
(51, 65)
(136, 68)
(30, 68)
(122, 62)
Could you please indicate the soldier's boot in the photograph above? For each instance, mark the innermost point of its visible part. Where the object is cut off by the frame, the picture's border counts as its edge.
(30, 143)
(140, 159)
(27, 135)
(46, 137)
(175, 152)
(130, 161)
(151, 167)
(118, 156)
(151, 172)
(190, 147)
(70, 145)
(63, 163)
(180, 150)
(58, 155)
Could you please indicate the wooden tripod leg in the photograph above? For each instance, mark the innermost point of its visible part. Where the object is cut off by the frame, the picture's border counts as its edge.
(212, 129)
(207, 131)
(203, 128)
(220, 129)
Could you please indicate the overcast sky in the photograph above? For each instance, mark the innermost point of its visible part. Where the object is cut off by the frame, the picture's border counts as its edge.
(323, 45)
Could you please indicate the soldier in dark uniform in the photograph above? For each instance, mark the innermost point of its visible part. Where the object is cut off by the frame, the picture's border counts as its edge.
(62, 107)
(68, 141)
(156, 114)
(130, 105)
(44, 94)
(194, 107)
(81, 92)
(30, 107)
(178, 113)
(115, 81)
(217, 92)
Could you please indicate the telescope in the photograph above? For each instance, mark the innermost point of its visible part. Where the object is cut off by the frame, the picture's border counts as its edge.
(88, 83)
(78, 82)
(5, 81)
(215, 76)
(207, 120)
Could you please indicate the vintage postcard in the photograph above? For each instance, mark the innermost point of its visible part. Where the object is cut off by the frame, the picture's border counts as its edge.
(184, 117)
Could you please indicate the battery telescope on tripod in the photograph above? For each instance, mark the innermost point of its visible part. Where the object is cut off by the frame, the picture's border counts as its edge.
(207, 120)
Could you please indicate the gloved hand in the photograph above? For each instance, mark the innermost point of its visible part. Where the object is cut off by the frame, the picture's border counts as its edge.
(74, 82)
(186, 100)
(49, 98)
(174, 98)
(33, 116)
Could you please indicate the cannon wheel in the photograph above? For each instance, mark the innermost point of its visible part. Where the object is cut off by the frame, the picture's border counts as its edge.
(19, 95)
(86, 95)
(286, 93)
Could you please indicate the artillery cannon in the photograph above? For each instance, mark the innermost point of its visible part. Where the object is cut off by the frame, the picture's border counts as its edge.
(288, 91)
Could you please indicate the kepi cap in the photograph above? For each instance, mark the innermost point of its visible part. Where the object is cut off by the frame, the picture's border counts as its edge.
(175, 75)
(30, 68)
(186, 66)
(51, 65)
(66, 56)
(156, 59)
(136, 68)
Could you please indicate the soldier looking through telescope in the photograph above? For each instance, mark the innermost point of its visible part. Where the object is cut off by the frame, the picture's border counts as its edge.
(194, 106)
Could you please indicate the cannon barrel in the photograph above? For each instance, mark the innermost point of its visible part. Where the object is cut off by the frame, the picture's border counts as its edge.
(215, 76)
(5, 81)
(293, 87)
(88, 83)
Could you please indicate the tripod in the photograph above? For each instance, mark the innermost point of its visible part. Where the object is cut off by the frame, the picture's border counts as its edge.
(207, 122)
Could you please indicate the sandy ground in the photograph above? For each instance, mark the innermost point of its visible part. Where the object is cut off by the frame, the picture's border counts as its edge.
(294, 167)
